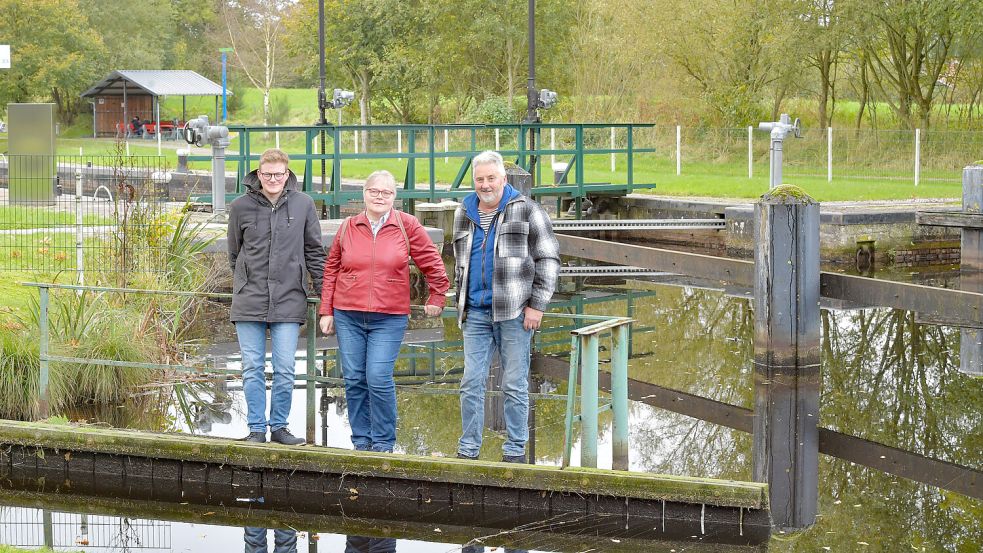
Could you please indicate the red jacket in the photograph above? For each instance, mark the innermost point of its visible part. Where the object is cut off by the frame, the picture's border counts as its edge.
(363, 273)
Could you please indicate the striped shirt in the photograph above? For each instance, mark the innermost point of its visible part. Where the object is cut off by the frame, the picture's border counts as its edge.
(378, 225)
(486, 218)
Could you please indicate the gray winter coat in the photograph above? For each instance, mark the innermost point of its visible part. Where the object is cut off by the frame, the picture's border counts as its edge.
(270, 249)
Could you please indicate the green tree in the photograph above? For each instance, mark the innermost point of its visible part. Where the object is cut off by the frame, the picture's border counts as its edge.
(910, 45)
(137, 35)
(56, 60)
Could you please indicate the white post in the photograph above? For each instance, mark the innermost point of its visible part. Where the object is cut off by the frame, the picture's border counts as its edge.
(750, 153)
(498, 140)
(552, 146)
(829, 154)
(314, 144)
(80, 152)
(612, 153)
(157, 119)
(276, 136)
(399, 141)
(127, 148)
(918, 155)
(446, 145)
(79, 230)
(679, 165)
(355, 135)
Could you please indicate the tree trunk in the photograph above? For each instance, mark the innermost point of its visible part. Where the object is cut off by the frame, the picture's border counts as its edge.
(364, 106)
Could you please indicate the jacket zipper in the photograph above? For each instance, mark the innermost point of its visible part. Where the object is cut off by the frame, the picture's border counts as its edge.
(269, 262)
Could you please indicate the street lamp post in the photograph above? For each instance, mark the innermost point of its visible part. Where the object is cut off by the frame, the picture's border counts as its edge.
(224, 52)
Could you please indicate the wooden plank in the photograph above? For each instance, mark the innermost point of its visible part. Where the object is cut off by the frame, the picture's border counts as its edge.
(956, 219)
(406, 467)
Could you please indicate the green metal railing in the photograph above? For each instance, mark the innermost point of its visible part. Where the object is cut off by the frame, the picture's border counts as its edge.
(583, 358)
(334, 157)
(584, 346)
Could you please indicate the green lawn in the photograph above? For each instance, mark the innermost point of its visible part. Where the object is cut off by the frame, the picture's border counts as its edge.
(19, 217)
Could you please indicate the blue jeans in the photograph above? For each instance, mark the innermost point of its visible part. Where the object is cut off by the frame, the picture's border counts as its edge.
(284, 541)
(252, 344)
(482, 338)
(368, 344)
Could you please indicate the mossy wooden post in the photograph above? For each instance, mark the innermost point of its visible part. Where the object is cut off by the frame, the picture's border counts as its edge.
(971, 268)
(787, 354)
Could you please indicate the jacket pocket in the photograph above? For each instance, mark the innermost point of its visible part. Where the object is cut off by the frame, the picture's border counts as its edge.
(241, 275)
(514, 239)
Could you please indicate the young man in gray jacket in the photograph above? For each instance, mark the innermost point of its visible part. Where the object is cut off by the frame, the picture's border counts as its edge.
(507, 261)
(274, 237)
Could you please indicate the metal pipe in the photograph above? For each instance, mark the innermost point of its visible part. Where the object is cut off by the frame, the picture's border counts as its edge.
(619, 396)
(571, 394)
(311, 368)
(588, 402)
(43, 399)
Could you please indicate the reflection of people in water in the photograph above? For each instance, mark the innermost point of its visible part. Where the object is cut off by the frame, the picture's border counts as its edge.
(284, 541)
(361, 544)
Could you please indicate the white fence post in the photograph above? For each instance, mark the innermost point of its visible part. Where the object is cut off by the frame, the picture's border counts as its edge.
(918, 155)
(679, 166)
(750, 152)
(355, 134)
(829, 154)
(276, 136)
(399, 141)
(446, 147)
(612, 153)
(552, 146)
(498, 140)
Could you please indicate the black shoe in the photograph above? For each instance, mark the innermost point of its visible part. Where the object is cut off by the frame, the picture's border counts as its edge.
(257, 437)
(513, 458)
(283, 436)
(468, 457)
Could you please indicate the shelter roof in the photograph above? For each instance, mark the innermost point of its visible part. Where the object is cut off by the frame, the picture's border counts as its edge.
(156, 82)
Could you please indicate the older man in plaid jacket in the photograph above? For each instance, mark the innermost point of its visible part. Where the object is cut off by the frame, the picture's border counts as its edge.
(507, 261)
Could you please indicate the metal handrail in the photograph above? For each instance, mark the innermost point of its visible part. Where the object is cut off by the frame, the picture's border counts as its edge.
(584, 341)
(336, 195)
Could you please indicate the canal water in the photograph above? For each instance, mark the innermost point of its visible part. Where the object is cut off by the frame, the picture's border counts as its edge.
(887, 377)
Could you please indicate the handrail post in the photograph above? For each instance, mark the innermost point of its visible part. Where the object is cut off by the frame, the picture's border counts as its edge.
(431, 145)
(619, 396)
(336, 189)
(588, 402)
(631, 155)
(311, 368)
(579, 169)
(44, 403)
(571, 395)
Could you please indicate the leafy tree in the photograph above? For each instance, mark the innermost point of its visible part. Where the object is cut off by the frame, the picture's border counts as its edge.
(138, 35)
(908, 47)
(56, 60)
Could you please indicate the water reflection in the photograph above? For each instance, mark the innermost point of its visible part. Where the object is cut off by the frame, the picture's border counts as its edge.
(284, 541)
(361, 544)
(887, 376)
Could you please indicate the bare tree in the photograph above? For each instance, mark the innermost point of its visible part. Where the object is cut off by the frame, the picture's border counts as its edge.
(255, 30)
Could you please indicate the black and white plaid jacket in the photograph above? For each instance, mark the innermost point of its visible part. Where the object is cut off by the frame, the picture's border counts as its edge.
(527, 259)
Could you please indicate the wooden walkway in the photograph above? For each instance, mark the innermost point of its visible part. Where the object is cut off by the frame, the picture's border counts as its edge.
(39, 458)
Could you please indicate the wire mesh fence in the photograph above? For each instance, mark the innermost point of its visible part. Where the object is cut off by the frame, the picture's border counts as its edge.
(66, 213)
(36, 528)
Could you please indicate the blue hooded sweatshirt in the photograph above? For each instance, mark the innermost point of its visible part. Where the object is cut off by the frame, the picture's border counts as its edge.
(482, 265)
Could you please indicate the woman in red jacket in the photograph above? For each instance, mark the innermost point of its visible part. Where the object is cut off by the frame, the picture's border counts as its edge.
(366, 299)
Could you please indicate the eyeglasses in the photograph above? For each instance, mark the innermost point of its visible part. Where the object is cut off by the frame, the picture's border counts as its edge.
(377, 192)
(270, 176)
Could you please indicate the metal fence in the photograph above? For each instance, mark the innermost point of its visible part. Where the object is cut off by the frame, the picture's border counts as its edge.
(24, 527)
(830, 155)
(68, 213)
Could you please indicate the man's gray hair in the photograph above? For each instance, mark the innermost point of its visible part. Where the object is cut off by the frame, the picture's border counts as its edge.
(382, 176)
(489, 157)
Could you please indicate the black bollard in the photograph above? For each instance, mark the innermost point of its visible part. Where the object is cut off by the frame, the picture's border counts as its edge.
(787, 354)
